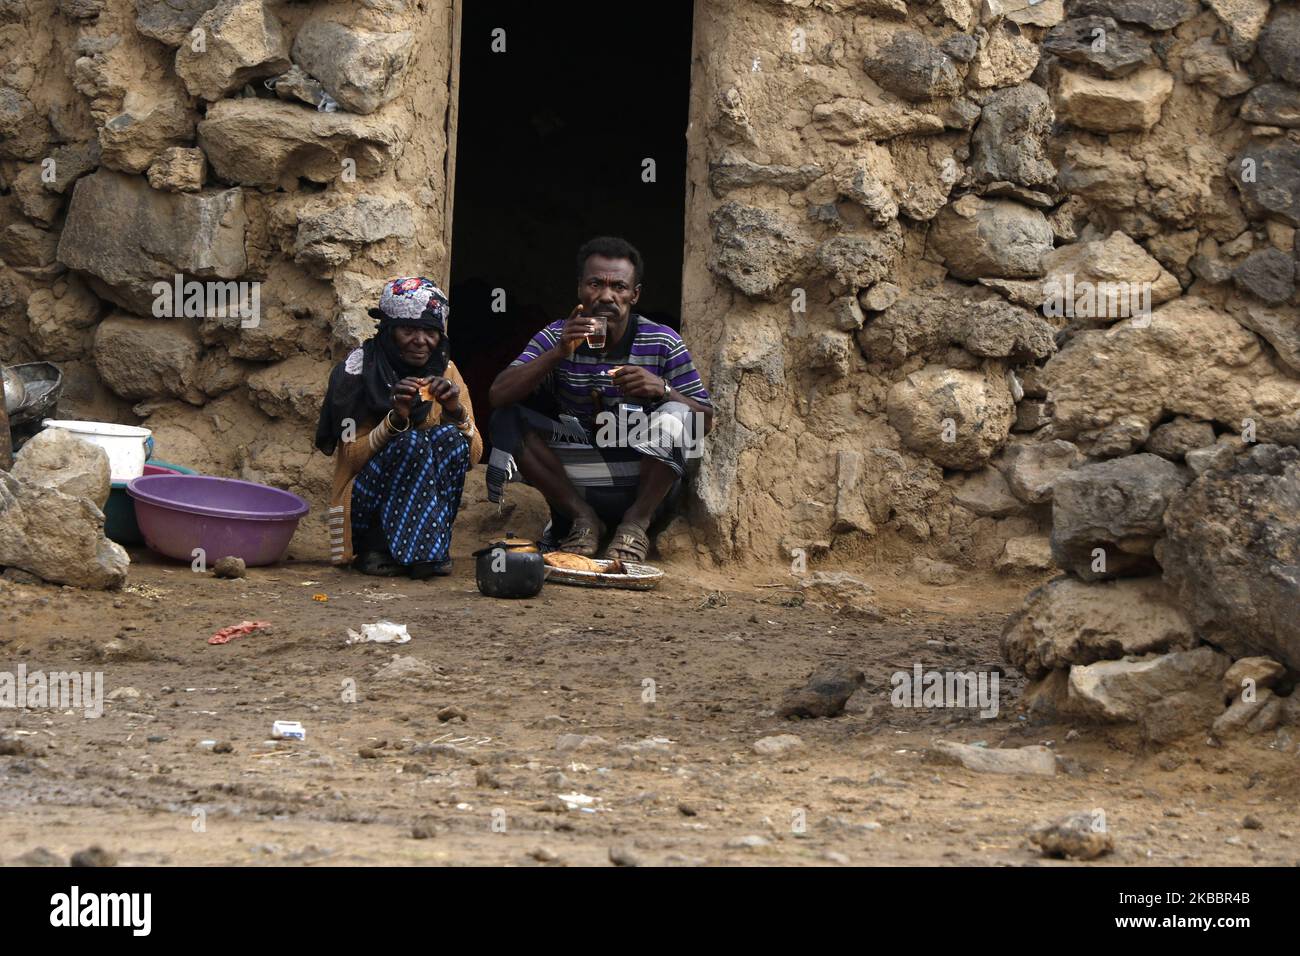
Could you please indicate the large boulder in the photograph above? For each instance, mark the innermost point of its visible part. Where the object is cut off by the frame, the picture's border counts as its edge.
(922, 324)
(911, 67)
(58, 459)
(361, 69)
(1132, 102)
(956, 418)
(154, 236)
(258, 142)
(1067, 622)
(1169, 695)
(148, 358)
(57, 537)
(242, 41)
(754, 249)
(1191, 359)
(1010, 142)
(1232, 551)
(996, 238)
(1116, 506)
(331, 228)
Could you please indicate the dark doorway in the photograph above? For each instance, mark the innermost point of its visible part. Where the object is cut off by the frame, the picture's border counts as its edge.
(551, 139)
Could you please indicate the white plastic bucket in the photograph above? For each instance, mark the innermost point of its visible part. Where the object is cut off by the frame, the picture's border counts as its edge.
(127, 446)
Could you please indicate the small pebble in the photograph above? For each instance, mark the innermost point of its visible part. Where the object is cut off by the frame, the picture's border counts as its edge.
(230, 567)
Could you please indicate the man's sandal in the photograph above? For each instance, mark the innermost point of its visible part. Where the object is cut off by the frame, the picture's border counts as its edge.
(630, 543)
(583, 538)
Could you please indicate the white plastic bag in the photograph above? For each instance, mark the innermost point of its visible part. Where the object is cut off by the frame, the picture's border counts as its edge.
(381, 632)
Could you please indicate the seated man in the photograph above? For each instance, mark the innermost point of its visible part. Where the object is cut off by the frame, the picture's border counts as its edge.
(556, 401)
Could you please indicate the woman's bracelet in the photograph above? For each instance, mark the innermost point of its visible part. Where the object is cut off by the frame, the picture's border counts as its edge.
(393, 428)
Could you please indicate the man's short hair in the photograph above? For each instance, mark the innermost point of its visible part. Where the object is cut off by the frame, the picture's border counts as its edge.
(611, 247)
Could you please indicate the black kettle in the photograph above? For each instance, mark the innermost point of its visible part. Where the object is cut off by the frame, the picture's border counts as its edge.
(510, 568)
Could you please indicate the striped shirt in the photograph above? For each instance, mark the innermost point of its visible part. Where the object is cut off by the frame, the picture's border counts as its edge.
(647, 344)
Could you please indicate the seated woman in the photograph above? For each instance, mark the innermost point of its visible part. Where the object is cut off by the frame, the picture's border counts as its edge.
(402, 457)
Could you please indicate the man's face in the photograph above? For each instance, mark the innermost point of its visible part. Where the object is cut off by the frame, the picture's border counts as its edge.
(608, 287)
(416, 345)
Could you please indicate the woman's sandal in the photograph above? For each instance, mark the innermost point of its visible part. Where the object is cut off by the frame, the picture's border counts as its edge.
(630, 543)
(583, 538)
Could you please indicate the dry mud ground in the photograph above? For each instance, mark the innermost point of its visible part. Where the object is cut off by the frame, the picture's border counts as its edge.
(571, 661)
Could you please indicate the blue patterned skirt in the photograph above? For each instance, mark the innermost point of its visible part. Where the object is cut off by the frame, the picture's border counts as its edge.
(410, 490)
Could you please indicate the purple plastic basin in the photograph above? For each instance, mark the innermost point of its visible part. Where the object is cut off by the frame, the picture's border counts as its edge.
(223, 516)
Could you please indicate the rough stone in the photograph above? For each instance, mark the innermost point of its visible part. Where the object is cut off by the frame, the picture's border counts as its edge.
(1211, 65)
(1256, 716)
(60, 319)
(155, 235)
(57, 537)
(1232, 550)
(1274, 187)
(170, 21)
(909, 66)
(852, 122)
(143, 358)
(986, 493)
(293, 388)
(858, 261)
(1025, 554)
(71, 162)
(824, 695)
(1010, 142)
(360, 68)
(1268, 274)
(996, 238)
(777, 745)
(1076, 836)
(1035, 760)
(332, 228)
(1156, 14)
(1075, 41)
(879, 297)
(256, 142)
(1191, 359)
(1104, 280)
(147, 125)
(1173, 440)
(24, 132)
(1066, 622)
(1279, 44)
(1169, 695)
(754, 249)
(1132, 102)
(178, 170)
(956, 418)
(1005, 59)
(58, 459)
(243, 41)
(1251, 672)
(736, 172)
(1116, 506)
(1272, 104)
(1244, 20)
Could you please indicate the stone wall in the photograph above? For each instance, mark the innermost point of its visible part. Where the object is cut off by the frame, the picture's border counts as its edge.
(890, 203)
(140, 139)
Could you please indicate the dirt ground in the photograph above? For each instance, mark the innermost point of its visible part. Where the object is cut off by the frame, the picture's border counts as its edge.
(674, 782)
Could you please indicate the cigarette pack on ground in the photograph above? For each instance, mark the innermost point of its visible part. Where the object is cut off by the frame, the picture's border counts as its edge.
(288, 730)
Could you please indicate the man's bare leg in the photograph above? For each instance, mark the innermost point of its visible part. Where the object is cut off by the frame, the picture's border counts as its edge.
(545, 472)
(657, 479)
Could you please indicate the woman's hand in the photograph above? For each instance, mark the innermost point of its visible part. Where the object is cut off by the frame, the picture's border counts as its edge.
(405, 394)
(447, 394)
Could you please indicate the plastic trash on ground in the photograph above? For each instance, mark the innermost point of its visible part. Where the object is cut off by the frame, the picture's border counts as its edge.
(381, 632)
(288, 730)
